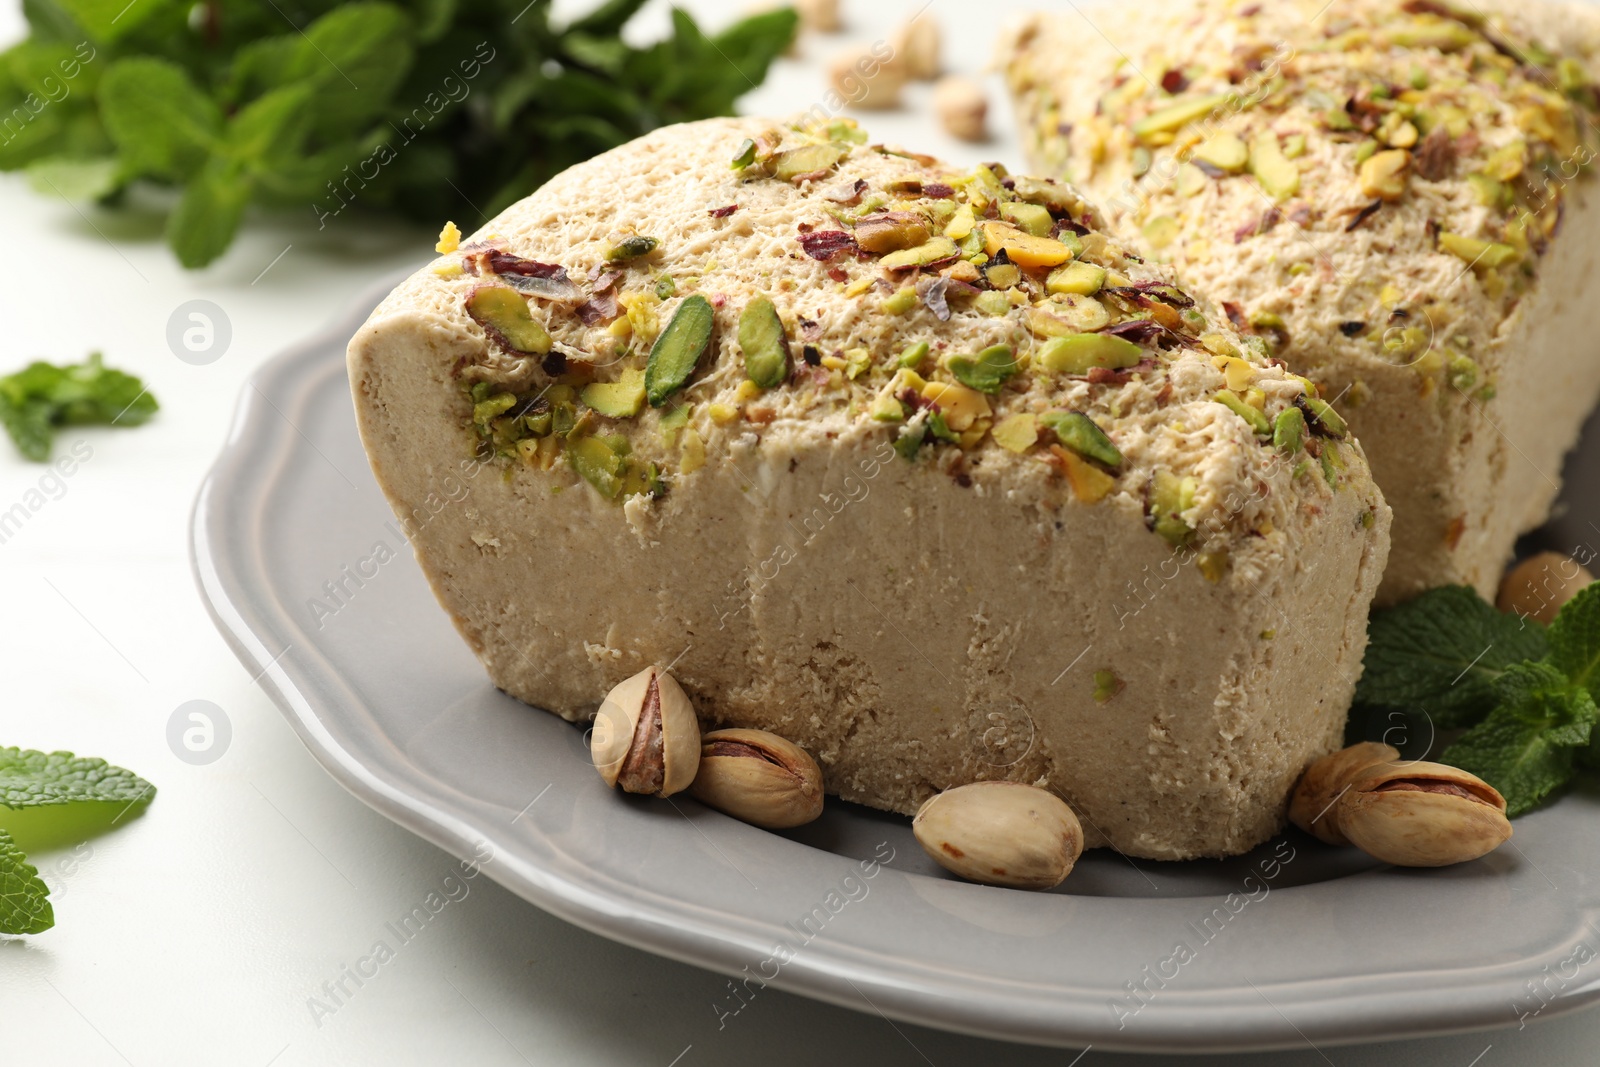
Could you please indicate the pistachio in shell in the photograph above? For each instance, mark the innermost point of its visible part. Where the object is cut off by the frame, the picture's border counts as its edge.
(759, 778)
(1311, 805)
(1416, 814)
(1001, 833)
(646, 736)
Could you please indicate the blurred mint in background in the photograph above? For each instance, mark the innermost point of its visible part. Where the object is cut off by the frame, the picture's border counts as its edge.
(428, 108)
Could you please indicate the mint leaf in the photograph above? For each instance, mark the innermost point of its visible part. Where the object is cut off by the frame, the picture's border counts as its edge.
(37, 399)
(24, 898)
(160, 120)
(1527, 746)
(1575, 639)
(269, 132)
(1443, 653)
(107, 20)
(75, 179)
(29, 778)
(208, 216)
(355, 57)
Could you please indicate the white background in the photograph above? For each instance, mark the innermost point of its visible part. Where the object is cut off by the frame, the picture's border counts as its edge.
(196, 933)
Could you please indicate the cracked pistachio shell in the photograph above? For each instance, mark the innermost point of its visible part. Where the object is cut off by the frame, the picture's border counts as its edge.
(646, 737)
(758, 777)
(1001, 833)
(1415, 814)
(1311, 805)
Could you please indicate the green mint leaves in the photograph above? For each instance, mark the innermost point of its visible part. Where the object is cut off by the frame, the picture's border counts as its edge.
(29, 779)
(1526, 693)
(429, 109)
(42, 397)
(1442, 652)
(24, 898)
(52, 798)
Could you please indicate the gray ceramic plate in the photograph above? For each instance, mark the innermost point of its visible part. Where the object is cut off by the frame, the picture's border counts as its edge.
(306, 574)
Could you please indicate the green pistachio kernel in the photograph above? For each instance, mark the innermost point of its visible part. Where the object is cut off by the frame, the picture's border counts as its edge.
(910, 438)
(1225, 151)
(1169, 497)
(992, 303)
(597, 463)
(676, 352)
(1030, 218)
(621, 399)
(987, 371)
(1001, 273)
(1257, 419)
(745, 154)
(666, 287)
(807, 159)
(1083, 435)
(913, 356)
(1477, 253)
(934, 251)
(1178, 115)
(631, 247)
(765, 347)
(900, 301)
(1463, 372)
(492, 407)
(1289, 431)
(1324, 416)
(1106, 686)
(885, 408)
(1077, 278)
(539, 423)
(1571, 76)
(503, 313)
(1279, 177)
(1490, 192)
(941, 429)
(1080, 353)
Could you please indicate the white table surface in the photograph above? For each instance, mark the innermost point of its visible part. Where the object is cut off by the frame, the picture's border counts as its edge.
(199, 932)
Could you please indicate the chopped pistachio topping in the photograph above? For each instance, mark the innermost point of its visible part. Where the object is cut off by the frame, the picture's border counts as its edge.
(503, 313)
(765, 347)
(680, 346)
(1175, 116)
(1256, 418)
(1080, 353)
(631, 247)
(985, 372)
(621, 399)
(1289, 431)
(1083, 435)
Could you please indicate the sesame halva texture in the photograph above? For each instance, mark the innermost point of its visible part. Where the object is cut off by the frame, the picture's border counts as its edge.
(906, 463)
(1395, 195)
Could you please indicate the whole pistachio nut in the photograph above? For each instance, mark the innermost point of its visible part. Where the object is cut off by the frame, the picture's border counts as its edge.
(1001, 833)
(758, 777)
(1539, 585)
(646, 737)
(1311, 805)
(1415, 814)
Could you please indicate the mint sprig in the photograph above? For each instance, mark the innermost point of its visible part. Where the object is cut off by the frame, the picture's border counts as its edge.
(1442, 653)
(1527, 694)
(51, 797)
(41, 397)
(430, 109)
(24, 898)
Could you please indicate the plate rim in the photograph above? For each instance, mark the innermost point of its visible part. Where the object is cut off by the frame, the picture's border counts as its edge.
(1194, 1020)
